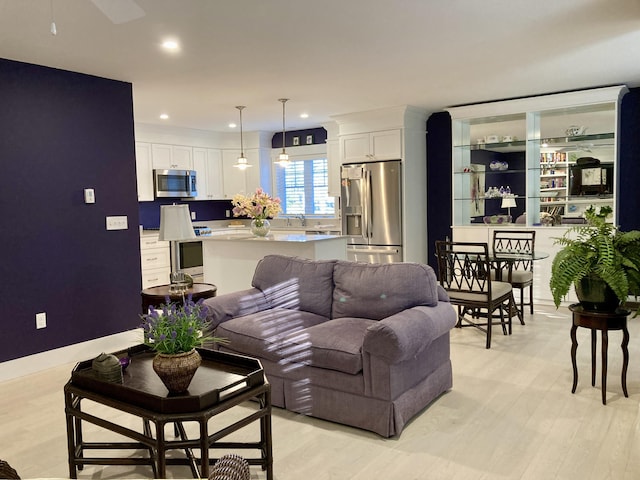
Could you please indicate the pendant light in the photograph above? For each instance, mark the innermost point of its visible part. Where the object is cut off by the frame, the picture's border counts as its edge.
(242, 162)
(283, 158)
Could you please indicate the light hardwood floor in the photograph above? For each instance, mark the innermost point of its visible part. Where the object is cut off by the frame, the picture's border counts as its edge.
(510, 415)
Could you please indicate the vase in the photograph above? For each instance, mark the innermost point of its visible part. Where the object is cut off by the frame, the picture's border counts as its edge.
(177, 370)
(260, 227)
(596, 295)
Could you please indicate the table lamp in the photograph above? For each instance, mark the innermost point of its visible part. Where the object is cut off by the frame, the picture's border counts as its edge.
(175, 225)
(508, 202)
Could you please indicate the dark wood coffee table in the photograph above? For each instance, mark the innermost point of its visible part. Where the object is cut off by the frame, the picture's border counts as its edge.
(222, 382)
(156, 296)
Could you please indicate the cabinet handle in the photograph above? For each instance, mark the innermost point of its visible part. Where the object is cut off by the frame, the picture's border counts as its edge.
(152, 259)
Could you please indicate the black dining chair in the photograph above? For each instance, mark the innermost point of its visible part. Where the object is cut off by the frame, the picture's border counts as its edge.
(518, 271)
(464, 271)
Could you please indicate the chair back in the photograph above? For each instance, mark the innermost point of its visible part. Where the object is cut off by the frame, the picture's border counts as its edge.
(515, 241)
(464, 267)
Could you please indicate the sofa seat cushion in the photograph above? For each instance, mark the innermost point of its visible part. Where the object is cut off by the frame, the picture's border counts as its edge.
(378, 291)
(296, 283)
(335, 344)
(262, 334)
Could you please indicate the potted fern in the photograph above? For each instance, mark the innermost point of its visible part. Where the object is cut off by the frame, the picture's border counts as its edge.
(602, 263)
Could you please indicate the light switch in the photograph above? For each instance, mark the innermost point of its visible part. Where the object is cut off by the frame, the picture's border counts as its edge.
(89, 195)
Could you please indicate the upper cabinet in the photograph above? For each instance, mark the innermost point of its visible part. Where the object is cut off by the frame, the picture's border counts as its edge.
(172, 157)
(367, 147)
(236, 181)
(144, 172)
(207, 162)
(549, 156)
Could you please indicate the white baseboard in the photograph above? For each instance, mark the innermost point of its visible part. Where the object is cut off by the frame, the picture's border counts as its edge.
(69, 354)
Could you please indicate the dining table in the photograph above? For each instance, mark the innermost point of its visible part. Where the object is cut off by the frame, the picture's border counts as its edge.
(504, 260)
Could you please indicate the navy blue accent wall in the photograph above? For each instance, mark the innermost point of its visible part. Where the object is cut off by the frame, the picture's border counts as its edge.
(61, 132)
(514, 177)
(319, 136)
(205, 210)
(438, 182)
(629, 199)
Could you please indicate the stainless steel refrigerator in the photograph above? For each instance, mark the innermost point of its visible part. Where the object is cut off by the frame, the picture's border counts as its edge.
(371, 198)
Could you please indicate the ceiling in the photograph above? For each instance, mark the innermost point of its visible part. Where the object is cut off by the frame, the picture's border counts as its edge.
(329, 57)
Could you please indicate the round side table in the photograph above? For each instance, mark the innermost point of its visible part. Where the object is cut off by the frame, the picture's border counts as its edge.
(603, 321)
(156, 296)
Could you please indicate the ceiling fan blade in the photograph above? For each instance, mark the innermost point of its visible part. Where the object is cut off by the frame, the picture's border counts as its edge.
(120, 11)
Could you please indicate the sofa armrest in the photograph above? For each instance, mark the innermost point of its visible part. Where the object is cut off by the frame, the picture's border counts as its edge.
(443, 296)
(236, 304)
(405, 334)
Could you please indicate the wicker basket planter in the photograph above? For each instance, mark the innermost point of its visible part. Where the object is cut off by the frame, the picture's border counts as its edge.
(177, 370)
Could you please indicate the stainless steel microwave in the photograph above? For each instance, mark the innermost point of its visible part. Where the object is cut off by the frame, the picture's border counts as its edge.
(175, 183)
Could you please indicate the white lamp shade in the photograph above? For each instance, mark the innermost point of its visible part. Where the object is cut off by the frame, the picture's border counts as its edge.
(508, 202)
(175, 223)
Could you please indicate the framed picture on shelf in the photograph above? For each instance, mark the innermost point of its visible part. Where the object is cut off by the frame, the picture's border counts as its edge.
(309, 139)
(296, 141)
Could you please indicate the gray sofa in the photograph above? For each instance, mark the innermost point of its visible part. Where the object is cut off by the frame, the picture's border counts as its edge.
(365, 345)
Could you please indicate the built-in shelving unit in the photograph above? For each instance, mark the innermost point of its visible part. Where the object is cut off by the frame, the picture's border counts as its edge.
(546, 147)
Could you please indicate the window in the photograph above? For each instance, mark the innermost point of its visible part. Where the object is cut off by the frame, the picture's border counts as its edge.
(303, 188)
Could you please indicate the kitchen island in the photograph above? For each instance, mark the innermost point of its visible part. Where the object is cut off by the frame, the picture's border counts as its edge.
(230, 260)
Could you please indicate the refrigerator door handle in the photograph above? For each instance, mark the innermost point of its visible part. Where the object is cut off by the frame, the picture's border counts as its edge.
(368, 201)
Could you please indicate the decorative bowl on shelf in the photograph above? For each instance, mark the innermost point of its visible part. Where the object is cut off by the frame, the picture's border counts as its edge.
(496, 219)
(575, 130)
(497, 165)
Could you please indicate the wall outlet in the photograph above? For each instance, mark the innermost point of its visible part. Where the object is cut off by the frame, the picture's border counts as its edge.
(227, 213)
(117, 223)
(41, 320)
(193, 215)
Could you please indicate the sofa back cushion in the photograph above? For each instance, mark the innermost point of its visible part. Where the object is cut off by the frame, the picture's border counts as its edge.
(377, 291)
(296, 283)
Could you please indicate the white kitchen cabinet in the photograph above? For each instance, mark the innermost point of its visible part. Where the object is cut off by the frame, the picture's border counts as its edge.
(172, 157)
(253, 175)
(333, 168)
(207, 162)
(155, 260)
(236, 180)
(144, 172)
(372, 146)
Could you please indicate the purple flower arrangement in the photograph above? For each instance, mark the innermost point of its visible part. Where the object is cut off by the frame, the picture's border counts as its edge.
(177, 328)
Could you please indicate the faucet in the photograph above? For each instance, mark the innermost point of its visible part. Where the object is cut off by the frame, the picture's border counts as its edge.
(303, 220)
(288, 221)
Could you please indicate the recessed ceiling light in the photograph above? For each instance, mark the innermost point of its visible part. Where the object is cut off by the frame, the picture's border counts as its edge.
(304, 115)
(164, 116)
(170, 45)
(232, 125)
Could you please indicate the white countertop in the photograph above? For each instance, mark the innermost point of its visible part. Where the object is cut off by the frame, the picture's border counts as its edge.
(272, 237)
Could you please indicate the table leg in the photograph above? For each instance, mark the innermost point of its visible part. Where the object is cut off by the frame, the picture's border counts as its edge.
(265, 433)
(161, 450)
(204, 448)
(574, 347)
(146, 430)
(605, 346)
(594, 342)
(71, 437)
(625, 358)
